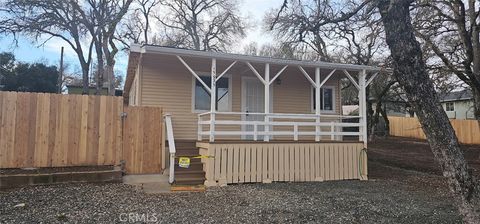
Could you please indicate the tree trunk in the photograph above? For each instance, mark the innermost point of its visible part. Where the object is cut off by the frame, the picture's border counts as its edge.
(383, 112)
(100, 67)
(85, 83)
(111, 80)
(410, 71)
(374, 121)
(476, 103)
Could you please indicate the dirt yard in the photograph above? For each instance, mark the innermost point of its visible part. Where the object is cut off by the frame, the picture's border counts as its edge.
(416, 155)
(392, 195)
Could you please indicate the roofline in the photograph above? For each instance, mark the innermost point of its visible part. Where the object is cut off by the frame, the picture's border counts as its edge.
(248, 58)
(459, 99)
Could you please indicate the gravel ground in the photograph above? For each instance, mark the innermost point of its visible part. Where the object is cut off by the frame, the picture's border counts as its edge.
(381, 200)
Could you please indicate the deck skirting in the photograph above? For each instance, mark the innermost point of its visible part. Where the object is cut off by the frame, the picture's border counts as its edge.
(249, 162)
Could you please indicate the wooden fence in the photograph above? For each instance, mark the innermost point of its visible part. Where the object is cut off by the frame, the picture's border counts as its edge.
(52, 130)
(286, 162)
(468, 131)
(142, 139)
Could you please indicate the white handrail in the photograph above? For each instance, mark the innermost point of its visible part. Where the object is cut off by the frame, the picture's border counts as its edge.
(280, 115)
(171, 147)
(279, 119)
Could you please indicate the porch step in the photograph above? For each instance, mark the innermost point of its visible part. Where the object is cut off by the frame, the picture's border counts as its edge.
(187, 152)
(184, 144)
(196, 165)
(188, 180)
(193, 175)
(183, 171)
(187, 188)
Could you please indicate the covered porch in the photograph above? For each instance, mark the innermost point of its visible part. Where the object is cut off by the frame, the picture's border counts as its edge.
(260, 119)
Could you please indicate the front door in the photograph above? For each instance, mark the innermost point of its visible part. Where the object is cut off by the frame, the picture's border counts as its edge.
(253, 101)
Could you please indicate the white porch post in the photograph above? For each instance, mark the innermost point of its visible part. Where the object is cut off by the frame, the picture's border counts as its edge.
(317, 103)
(213, 99)
(266, 137)
(362, 107)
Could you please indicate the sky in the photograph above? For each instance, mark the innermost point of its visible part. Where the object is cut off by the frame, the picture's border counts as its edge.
(28, 51)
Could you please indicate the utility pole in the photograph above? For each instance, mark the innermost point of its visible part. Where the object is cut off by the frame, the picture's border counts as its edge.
(60, 75)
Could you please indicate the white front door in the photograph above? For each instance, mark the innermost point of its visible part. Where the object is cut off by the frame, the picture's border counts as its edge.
(253, 101)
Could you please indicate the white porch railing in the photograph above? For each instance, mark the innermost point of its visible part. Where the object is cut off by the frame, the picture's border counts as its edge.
(265, 126)
(171, 146)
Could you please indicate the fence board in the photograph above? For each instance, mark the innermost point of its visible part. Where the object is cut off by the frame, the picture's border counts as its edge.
(142, 133)
(299, 162)
(52, 130)
(468, 131)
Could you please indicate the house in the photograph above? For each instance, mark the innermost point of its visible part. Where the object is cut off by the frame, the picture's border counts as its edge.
(458, 105)
(78, 89)
(251, 118)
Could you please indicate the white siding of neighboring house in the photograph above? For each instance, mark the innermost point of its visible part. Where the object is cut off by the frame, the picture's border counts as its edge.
(463, 110)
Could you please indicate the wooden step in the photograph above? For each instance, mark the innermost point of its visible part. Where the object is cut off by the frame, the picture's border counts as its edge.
(181, 171)
(187, 152)
(193, 166)
(192, 160)
(187, 188)
(187, 180)
(185, 144)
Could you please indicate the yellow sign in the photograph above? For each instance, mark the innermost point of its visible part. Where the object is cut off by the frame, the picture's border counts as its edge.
(184, 162)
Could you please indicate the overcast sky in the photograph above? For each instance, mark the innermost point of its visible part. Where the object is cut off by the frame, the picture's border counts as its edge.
(253, 10)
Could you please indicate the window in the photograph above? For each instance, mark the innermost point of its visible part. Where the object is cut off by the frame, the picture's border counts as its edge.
(202, 96)
(450, 106)
(327, 102)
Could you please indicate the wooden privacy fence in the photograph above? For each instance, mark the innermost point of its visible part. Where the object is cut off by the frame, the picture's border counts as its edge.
(468, 131)
(257, 162)
(142, 139)
(52, 130)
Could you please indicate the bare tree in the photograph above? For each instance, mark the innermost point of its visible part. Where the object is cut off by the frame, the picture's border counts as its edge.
(410, 70)
(450, 29)
(202, 24)
(309, 23)
(279, 50)
(49, 19)
(101, 19)
(138, 27)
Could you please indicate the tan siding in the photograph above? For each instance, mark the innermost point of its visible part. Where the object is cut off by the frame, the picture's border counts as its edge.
(168, 84)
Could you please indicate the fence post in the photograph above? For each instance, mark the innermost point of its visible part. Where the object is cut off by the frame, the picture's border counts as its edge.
(332, 129)
(199, 128)
(295, 132)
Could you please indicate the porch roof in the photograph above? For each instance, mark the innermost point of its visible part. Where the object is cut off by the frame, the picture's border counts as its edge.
(137, 50)
(154, 49)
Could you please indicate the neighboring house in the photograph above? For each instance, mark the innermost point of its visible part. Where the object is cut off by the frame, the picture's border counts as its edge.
(259, 104)
(349, 109)
(458, 105)
(78, 89)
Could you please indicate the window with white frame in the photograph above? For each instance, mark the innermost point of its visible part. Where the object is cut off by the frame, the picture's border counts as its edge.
(450, 106)
(327, 99)
(202, 96)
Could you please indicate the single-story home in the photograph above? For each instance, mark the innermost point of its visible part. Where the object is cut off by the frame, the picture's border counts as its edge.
(251, 118)
(458, 104)
(78, 89)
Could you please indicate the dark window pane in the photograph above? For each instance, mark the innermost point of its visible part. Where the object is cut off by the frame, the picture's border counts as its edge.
(202, 97)
(328, 99)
